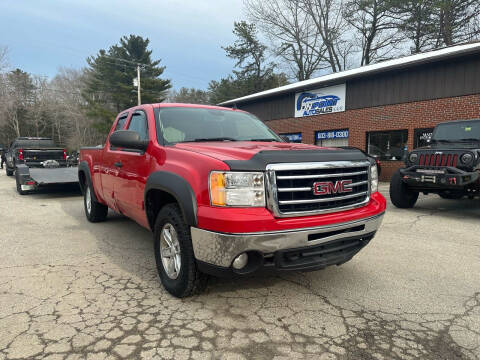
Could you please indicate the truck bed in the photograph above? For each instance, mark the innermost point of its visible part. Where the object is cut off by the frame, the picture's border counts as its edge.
(45, 176)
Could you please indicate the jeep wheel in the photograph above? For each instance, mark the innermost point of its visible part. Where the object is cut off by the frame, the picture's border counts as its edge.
(451, 195)
(174, 257)
(400, 195)
(94, 211)
(9, 172)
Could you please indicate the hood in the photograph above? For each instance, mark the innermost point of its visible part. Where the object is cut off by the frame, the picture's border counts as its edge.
(255, 156)
(240, 150)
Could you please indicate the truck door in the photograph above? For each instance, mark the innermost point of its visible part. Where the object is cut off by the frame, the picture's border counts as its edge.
(109, 172)
(132, 177)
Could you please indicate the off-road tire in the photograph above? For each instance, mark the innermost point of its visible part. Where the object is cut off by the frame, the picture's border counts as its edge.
(451, 195)
(19, 187)
(8, 172)
(98, 212)
(190, 280)
(400, 194)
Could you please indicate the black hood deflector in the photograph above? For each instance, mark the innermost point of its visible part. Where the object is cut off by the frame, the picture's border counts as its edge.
(260, 160)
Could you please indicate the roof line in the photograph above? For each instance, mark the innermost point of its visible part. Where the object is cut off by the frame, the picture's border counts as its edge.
(401, 62)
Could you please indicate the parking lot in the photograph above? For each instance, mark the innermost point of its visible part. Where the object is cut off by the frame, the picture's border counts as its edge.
(70, 289)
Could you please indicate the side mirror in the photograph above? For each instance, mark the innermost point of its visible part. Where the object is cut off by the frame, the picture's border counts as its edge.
(285, 138)
(128, 139)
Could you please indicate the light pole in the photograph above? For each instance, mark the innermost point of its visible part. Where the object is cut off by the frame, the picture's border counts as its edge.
(138, 86)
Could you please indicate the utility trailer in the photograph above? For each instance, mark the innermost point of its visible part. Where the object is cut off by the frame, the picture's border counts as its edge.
(31, 179)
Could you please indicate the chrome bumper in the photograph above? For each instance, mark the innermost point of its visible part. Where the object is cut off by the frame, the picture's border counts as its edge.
(220, 248)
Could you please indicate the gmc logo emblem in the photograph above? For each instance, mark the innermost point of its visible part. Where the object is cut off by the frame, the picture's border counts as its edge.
(329, 187)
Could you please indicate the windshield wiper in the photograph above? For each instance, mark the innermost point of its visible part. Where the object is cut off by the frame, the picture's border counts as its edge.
(468, 140)
(264, 140)
(213, 139)
(441, 141)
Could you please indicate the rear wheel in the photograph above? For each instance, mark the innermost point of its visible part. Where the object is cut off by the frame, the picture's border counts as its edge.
(94, 211)
(174, 256)
(8, 171)
(400, 194)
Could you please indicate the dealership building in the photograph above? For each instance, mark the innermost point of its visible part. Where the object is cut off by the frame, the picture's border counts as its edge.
(386, 109)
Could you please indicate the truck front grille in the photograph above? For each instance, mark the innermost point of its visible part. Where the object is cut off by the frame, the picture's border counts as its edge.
(311, 188)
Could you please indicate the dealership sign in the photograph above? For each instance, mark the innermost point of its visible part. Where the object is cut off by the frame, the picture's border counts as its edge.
(321, 101)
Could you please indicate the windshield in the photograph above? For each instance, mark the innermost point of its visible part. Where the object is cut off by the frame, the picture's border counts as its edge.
(183, 124)
(457, 131)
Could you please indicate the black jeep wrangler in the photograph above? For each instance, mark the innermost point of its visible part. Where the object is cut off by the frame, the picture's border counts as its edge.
(449, 166)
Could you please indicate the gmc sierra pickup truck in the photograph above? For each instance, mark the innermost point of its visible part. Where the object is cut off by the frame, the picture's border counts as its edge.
(224, 195)
(449, 166)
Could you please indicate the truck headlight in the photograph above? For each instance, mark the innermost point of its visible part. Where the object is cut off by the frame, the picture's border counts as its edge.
(237, 188)
(373, 178)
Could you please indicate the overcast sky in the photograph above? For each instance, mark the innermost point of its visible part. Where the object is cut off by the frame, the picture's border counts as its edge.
(43, 35)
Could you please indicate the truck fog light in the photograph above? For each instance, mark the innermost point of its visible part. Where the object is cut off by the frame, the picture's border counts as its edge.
(240, 261)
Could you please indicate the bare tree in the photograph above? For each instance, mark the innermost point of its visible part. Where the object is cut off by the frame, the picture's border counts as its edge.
(69, 120)
(292, 34)
(330, 24)
(3, 58)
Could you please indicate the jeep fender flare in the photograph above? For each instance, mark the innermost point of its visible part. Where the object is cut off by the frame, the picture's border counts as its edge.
(84, 169)
(177, 187)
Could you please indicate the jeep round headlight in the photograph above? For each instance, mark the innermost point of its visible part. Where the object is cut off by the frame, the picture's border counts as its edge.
(237, 188)
(413, 157)
(466, 158)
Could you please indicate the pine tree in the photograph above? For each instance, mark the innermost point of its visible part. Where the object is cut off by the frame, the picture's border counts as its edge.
(109, 82)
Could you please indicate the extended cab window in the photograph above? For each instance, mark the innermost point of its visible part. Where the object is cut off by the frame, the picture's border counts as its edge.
(121, 123)
(139, 124)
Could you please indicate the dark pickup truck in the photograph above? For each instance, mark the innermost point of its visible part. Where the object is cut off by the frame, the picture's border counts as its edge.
(449, 166)
(32, 151)
(37, 162)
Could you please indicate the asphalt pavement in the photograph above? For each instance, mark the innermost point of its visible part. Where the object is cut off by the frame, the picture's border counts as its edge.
(70, 289)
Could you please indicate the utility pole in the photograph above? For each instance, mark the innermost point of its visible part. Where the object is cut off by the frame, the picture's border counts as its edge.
(138, 86)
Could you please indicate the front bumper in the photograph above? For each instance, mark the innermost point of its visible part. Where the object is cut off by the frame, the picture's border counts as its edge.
(299, 249)
(438, 177)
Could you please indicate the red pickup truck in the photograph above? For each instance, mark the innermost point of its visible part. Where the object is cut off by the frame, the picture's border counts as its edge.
(224, 195)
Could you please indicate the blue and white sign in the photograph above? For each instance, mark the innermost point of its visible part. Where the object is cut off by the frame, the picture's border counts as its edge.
(333, 134)
(321, 101)
(294, 138)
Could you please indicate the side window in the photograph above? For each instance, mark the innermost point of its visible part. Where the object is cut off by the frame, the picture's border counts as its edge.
(139, 124)
(121, 123)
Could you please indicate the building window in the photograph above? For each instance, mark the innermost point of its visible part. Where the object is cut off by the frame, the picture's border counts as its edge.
(388, 145)
(332, 138)
(293, 137)
(421, 137)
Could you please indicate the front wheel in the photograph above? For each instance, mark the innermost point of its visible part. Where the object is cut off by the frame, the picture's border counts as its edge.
(174, 256)
(400, 194)
(8, 171)
(94, 211)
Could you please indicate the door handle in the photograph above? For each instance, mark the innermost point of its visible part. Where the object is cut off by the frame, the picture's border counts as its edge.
(118, 164)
